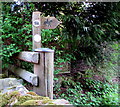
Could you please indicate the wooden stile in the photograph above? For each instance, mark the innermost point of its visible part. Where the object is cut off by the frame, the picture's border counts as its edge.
(42, 58)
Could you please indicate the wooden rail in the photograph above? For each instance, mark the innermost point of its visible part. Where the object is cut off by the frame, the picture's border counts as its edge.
(32, 57)
(28, 76)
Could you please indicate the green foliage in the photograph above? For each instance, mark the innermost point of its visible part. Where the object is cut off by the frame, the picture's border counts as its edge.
(85, 30)
(110, 66)
(16, 33)
(90, 92)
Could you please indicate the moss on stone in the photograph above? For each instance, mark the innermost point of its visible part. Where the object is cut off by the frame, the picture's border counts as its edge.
(22, 99)
(49, 101)
(3, 100)
(38, 102)
(31, 102)
(32, 93)
(6, 98)
(14, 94)
(15, 98)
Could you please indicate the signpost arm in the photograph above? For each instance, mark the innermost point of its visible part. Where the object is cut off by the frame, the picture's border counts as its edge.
(36, 29)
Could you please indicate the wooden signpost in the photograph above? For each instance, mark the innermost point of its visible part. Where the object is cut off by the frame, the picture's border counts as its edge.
(36, 30)
(39, 23)
(45, 68)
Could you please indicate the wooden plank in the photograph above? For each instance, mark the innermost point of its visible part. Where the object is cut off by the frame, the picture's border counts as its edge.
(49, 23)
(32, 57)
(36, 29)
(44, 70)
(49, 68)
(28, 76)
(39, 71)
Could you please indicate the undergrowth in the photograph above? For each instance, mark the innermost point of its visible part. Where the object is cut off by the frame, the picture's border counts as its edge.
(87, 92)
(95, 87)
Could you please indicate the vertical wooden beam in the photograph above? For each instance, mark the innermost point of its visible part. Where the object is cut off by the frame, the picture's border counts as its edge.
(39, 71)
(44, 70)
(49, 69)
(36, 29)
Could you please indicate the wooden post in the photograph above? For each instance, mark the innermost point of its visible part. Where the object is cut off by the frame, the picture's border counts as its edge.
(44, 70)
(36, 29)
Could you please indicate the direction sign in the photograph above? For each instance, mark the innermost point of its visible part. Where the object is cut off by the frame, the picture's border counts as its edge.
(49, 22)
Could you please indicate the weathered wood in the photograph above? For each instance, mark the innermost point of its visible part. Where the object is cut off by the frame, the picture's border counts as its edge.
(36, 29)
(49, 23)
(44, 50)
(44, 70)
(28, 76)
(49, 68)
(32, 57)
(39, 71)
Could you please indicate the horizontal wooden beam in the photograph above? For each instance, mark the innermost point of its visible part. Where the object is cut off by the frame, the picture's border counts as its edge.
(32, 57)
(28, 76)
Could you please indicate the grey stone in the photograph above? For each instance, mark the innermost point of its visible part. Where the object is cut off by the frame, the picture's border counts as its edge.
(12, 84)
